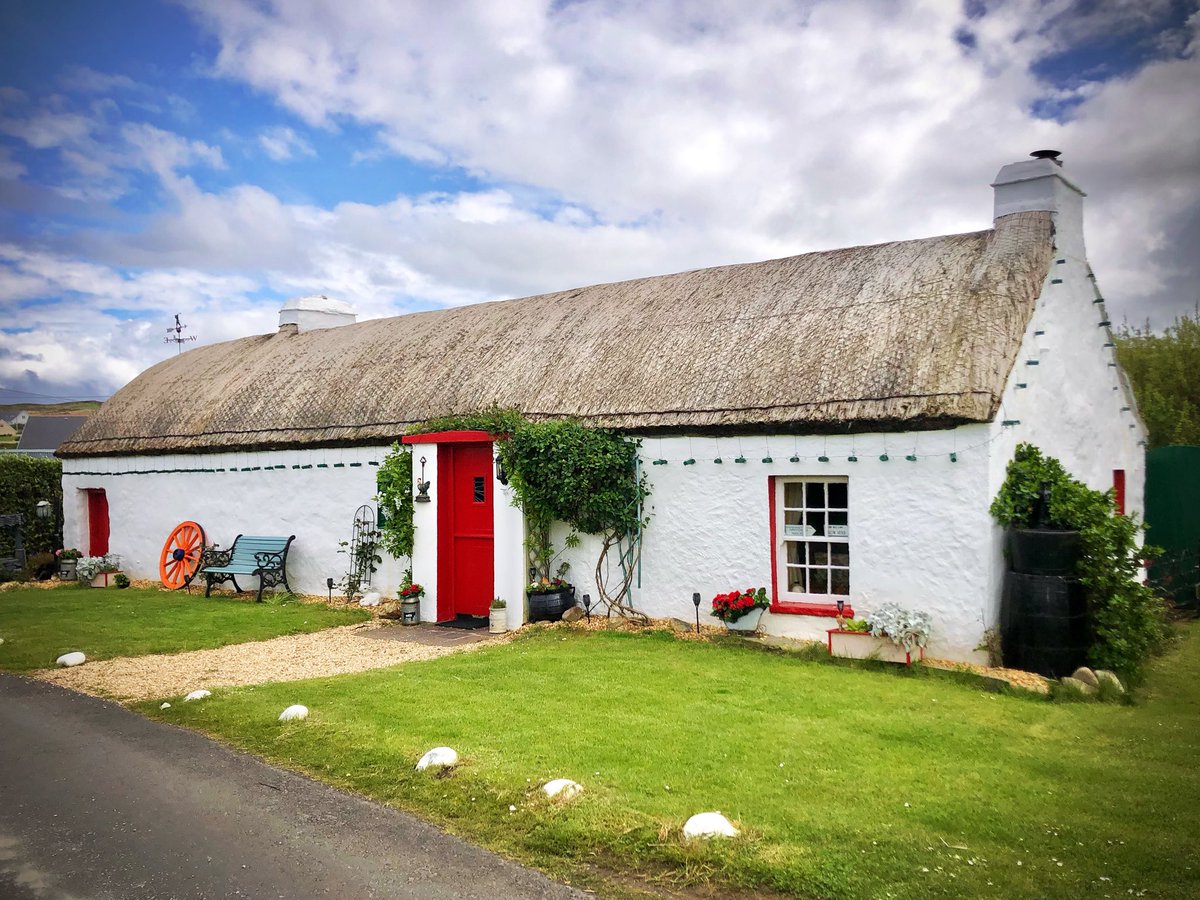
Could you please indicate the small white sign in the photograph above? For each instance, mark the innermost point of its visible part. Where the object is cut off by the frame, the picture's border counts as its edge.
(799, 531)
(838, 531)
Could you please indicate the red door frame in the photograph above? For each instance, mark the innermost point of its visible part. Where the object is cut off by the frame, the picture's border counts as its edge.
(453, 479)
(97, 505)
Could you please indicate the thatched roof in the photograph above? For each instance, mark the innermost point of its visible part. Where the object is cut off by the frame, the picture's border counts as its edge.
(906, 335)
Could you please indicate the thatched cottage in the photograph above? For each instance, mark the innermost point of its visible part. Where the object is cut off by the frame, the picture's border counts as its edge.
(832, 425)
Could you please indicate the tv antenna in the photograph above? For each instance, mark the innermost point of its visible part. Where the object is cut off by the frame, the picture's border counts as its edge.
(176, 336)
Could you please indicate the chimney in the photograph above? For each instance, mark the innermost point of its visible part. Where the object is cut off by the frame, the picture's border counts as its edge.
(1040, 184)
(302, 314)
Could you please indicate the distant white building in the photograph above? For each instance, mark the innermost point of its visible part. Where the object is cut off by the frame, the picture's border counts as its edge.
(18, 421)
(832, 425)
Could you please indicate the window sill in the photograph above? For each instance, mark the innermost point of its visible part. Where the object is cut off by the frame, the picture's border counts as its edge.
(829, 610)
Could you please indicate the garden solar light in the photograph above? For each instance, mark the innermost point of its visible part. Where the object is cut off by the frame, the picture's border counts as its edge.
(587, 606)
(841, 605)
(696, 603)
(329, 584)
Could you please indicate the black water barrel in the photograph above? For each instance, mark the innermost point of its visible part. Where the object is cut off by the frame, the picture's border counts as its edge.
(1044, 551)
(1048, 630)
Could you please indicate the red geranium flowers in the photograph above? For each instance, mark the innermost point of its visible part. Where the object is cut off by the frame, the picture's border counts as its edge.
(732, 606)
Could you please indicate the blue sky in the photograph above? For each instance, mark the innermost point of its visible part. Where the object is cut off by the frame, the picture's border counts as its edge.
(213, 158)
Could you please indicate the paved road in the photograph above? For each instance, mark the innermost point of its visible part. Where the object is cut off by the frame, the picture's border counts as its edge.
(98, 803)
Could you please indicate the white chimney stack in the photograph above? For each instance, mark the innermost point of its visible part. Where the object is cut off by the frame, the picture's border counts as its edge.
(1040, 184)
(302, 314)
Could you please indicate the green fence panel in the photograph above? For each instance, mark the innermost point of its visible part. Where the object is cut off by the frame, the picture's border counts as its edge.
(1173, 514)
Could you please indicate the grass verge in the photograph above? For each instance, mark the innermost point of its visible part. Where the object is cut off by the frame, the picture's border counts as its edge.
(846, 781)
(39, 625)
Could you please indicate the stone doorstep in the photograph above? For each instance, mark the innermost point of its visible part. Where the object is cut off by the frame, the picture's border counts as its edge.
(428, 635)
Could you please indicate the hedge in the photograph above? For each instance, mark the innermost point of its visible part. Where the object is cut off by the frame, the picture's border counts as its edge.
(24, 480)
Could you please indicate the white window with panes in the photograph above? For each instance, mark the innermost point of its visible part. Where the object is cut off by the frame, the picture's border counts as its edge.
(812, 532)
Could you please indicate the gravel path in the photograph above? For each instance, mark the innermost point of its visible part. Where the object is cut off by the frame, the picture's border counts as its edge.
(335, 651)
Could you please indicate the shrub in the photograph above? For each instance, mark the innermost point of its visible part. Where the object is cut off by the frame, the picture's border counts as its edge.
(24, 480)
(1128, 620)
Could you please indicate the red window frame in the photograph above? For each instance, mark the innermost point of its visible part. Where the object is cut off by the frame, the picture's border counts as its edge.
(789, 607)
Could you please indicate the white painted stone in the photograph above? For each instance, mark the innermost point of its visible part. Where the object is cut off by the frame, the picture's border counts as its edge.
(562, 788)
(708, 825)
(197, 695)
(371, 599)
(165, 706)
(71, 659)
(294, 713)
(438, 758)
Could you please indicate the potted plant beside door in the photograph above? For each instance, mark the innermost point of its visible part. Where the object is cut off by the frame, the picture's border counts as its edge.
(498, 617)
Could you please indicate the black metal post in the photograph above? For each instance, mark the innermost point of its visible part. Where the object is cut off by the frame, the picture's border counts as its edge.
(696, 603)
(587, 606)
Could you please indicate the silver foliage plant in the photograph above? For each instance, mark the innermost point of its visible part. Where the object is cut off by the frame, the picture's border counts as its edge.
(906, 629)
(89, 567)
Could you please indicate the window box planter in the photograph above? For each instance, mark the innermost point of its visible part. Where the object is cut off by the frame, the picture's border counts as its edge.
(747, 624)
(864, 645)
(105, 579)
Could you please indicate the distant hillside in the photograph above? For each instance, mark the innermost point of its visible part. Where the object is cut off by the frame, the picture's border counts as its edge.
(71, 408)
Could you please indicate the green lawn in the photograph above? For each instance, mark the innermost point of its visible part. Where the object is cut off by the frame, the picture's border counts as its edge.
(38, 626)
(848, 782)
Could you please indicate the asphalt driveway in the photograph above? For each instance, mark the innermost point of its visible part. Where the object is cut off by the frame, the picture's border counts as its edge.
(96, 802)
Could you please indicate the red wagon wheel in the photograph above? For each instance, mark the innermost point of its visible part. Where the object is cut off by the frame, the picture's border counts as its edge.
(181, 555)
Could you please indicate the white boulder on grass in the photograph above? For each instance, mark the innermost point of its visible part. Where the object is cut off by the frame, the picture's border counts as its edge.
(165, 706)
(197, 695)
(562, 788)
(438, 758)
(71, 659)
(294, 713)
(371, 599)
(708, 825)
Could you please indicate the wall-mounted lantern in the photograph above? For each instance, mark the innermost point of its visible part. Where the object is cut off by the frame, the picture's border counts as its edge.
(422, 486)
(43, 509)
(501, 472)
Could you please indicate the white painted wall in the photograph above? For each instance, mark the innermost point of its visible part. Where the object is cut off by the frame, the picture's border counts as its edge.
(920, 531)
(317, 505)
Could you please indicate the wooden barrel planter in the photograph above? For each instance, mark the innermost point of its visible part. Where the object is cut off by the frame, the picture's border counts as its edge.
(550, 606)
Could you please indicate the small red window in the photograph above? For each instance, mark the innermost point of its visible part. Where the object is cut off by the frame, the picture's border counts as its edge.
(1119, 491)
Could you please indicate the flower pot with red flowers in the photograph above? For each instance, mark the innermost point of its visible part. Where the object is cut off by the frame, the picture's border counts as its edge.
(410, 602)
(67, 558)
(741, 611)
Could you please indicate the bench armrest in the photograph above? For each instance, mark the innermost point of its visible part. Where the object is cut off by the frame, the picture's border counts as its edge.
(210, 557)
(267, 559)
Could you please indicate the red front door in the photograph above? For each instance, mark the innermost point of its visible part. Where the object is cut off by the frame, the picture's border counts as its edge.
(464, 496)
(97, 523)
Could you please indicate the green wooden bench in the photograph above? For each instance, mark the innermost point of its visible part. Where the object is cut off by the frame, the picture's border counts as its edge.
(261, 555)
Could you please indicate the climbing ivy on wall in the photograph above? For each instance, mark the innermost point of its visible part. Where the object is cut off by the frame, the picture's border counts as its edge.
(395, 497)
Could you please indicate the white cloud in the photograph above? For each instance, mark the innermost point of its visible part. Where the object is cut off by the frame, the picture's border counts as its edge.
(614, 140)
(282, 143)
(773, 129)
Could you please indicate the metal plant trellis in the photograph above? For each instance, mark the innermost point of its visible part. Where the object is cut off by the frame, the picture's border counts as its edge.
(364, 546)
